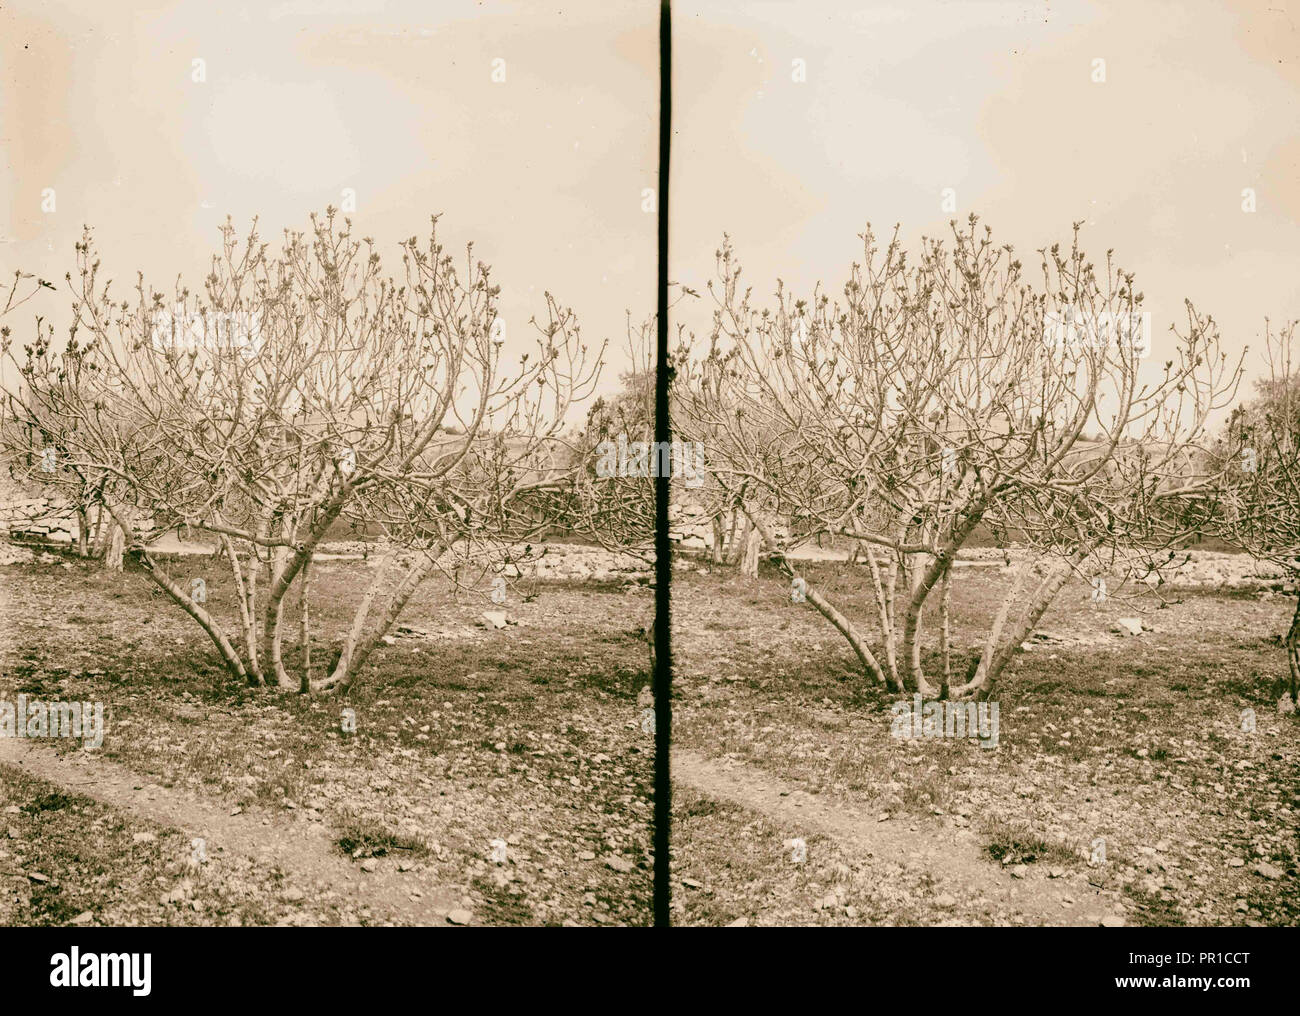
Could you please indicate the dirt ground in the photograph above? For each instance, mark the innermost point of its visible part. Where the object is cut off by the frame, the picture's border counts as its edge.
(212, 803)
(1123, 789)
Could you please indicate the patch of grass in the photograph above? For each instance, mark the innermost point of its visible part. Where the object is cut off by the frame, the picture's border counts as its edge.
(49, 802)
(1015, 843)
(1152, 911)
(359, 840)
(699, 806)
(498, 906)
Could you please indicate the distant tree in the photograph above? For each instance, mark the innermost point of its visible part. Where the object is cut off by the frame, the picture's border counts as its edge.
(1259, 452)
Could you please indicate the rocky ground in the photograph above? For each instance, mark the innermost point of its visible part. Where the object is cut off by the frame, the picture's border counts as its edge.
(1138, 779)
(483, 774)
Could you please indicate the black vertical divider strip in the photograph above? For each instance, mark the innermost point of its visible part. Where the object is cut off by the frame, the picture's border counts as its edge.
(663, 554)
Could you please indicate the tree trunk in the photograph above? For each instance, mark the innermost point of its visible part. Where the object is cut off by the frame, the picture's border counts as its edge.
(282, 577)
(83, 537)
(116, 546)
(98, 534)
(945, 632)
(247, 610)
(206, 621)
(344, 661)
(272, 636)
(845, 627)
(346, 671)
(981, 679)
(732, 552)
(753, 543)
(304, 685)
(1293, 651)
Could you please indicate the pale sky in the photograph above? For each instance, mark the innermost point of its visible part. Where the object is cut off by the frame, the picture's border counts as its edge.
(303, 98)
(545, 171)
(995, 100)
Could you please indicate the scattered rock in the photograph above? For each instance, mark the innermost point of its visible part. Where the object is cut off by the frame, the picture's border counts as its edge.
(1269, 871)
(1128, 625)
(85, 917)
(369, 864)
(1112, 921)
(619, 863)
(739, 922)
(144, 838)
(460, 917)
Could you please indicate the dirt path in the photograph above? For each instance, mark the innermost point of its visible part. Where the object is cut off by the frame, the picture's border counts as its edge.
(300, 848)
(950, 856)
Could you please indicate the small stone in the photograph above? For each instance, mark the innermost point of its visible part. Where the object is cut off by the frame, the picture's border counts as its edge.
(1055, 872)
(1019, 871)
(827, 902)
(1269, 871)
(619, 863)
(294, 894)
(1112, 921)
(945, 900)
(690, 883)
(85, 917)
(460, 917)
(144, 838)
(369, 864)
(739, 922)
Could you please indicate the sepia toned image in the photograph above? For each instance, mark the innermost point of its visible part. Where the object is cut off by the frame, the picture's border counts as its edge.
(715, 464)
(984, 613)
(325, 582)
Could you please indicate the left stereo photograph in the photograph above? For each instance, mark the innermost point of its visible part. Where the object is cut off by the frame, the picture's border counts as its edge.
(327, 572)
